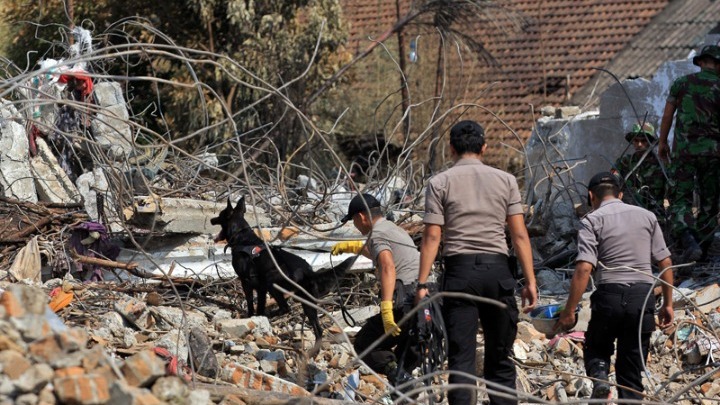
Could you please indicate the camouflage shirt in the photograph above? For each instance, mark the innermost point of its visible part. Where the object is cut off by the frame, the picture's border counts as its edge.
(645, 187)
(696, 98)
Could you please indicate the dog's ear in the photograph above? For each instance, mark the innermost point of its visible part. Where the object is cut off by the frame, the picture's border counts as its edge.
(241, 205)
(229, 204)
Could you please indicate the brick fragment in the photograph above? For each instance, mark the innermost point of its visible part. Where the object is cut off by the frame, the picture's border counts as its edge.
(87, 389)
(142, 369)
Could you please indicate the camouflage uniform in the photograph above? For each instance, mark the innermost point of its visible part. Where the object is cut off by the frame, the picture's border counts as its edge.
(646, 186)
(696, 155)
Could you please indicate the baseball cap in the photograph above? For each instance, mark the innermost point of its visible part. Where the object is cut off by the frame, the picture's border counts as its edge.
(709, 51)
(603, 178)
(358, 204)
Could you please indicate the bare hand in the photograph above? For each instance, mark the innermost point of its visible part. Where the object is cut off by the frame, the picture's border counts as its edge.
(566, 321)
(420, 294)
(666, 316)
(529, 295)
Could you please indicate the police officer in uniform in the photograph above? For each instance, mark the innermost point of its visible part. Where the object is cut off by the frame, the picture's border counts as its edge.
(473, 203)
(397, 259)
(619, 241)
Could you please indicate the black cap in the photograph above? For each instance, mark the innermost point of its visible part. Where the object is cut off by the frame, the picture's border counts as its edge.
(358, 204)
(603, 178)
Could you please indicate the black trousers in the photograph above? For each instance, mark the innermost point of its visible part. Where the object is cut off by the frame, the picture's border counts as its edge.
(483, 275)
(616, 315)
(391, 349)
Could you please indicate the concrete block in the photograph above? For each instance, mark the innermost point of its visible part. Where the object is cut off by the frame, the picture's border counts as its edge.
(180, 215)
(82, 389)
(95, 183)
(567, 111)
(176, 343)
(16, 179)
(236, 328)
(107, 94)
(142, 369)
(202, 355)
(35, 378)
(171, 389)
(51, 181)
(13, 364)
(171, 317)
(112, 131)
(708, 298)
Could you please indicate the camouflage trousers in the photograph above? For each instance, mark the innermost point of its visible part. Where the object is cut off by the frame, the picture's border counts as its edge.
(690, 176)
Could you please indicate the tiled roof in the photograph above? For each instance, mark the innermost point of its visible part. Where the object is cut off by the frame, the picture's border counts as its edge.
(672, 34)
(546, 50)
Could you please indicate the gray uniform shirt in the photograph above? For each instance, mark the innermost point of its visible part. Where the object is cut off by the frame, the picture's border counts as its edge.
(619, 235)
(472, 201)
(388, 236)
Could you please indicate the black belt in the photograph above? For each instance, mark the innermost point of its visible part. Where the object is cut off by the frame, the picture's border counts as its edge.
(615, 288)
(475, 258)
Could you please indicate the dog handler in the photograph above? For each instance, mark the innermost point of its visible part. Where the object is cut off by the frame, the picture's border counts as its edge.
(473, 203)
(397, 260)
(614, 239)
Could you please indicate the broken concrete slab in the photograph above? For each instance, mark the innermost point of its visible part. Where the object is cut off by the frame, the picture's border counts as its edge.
(110, 125)
(16, 179)
(51, 181)
(708, 298)
(180, 215)
(94, 188)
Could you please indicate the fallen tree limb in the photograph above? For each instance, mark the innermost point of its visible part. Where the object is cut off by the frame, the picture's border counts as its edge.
(38, 225)
(103, 262)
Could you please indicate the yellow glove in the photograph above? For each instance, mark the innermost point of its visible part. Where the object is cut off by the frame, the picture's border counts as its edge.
(386, 310)
(349, 246)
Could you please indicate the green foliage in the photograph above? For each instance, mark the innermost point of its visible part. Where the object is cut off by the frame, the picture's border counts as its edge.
(244, 49)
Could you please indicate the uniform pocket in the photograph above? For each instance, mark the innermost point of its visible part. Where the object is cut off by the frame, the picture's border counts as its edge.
(506, 287)
(455, 284)
(648, 318)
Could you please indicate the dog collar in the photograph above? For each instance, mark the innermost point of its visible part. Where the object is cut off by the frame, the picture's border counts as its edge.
(253, 251)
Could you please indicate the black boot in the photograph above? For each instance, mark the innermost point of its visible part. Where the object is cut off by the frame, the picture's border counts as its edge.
(599, 371)
(693, 252)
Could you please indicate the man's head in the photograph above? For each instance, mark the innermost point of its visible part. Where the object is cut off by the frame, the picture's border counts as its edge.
(363, 210)
(603, 186)
(709, 57)
(641, 136)
(467, 137)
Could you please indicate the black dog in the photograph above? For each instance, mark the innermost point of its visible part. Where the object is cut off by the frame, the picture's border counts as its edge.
(257, 271)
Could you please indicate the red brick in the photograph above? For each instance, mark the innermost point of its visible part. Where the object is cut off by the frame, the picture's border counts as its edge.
(69, 372)
(46, 349)
(142, 369)
(13, 363)
(13, 307)
(82, 389)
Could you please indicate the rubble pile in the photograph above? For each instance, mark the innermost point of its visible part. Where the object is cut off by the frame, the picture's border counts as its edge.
(682, 366)
(132, 350)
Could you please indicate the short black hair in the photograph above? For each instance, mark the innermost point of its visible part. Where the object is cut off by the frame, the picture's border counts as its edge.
(603, 190)
(467, 137)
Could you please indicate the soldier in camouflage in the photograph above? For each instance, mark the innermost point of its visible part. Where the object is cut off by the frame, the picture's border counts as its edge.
(695, 159)
(645, 182)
